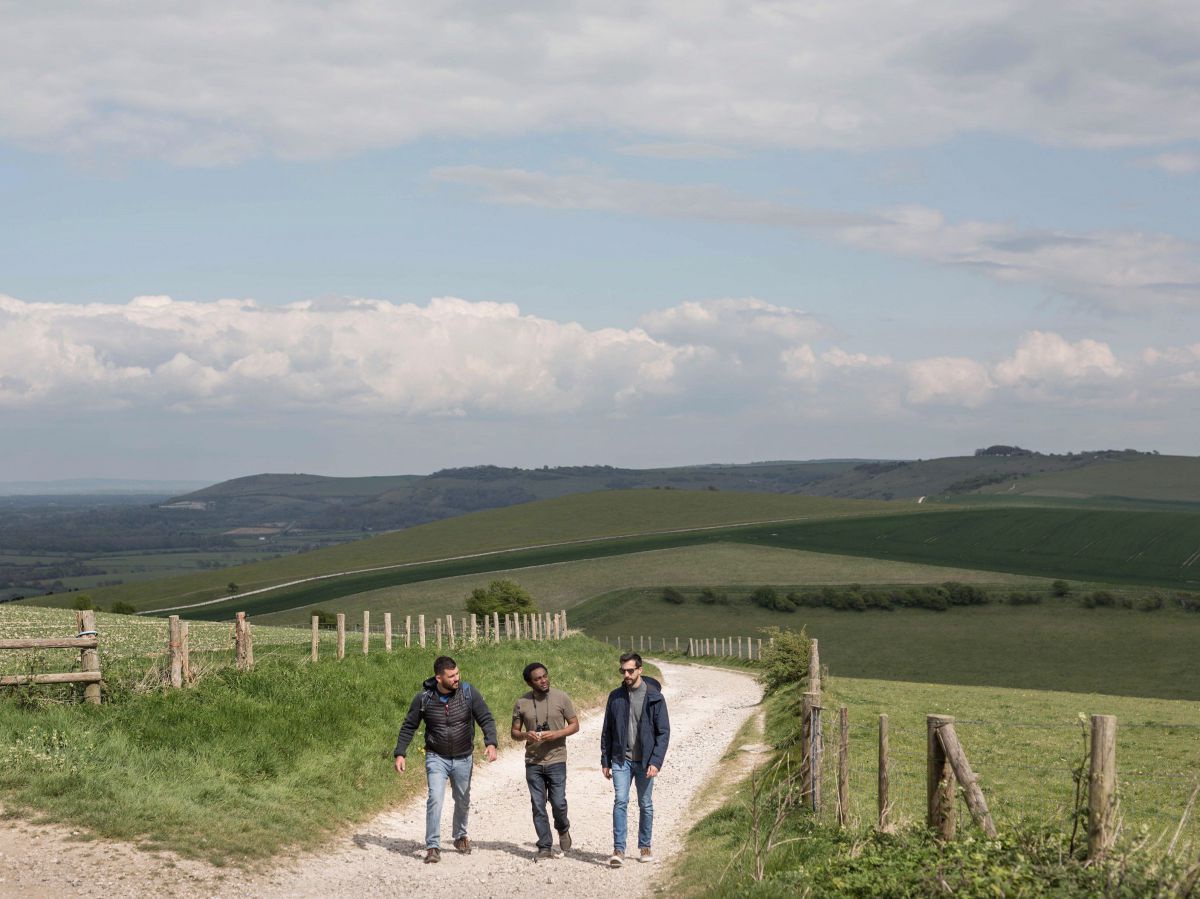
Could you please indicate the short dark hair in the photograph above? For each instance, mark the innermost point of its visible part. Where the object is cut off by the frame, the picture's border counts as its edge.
(443, 663)
(529, 669)
(631, 657)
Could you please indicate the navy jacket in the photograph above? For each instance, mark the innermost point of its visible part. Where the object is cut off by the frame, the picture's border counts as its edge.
(655, 727)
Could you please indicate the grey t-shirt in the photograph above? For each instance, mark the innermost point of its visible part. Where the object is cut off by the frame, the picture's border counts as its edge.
(633, 742)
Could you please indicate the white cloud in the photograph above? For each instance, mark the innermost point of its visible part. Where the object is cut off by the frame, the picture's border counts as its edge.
(948, 380)
(220, 81)
(681, 150)
(741, 323)
(1043, 357)
(1115, 271)
(1174, 163)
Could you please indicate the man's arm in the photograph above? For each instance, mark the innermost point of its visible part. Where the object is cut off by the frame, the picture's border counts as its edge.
(407, 731)
(662, 736)
(483, 715)
(605, 729)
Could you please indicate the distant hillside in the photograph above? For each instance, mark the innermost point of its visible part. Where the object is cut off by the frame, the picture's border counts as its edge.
(385, 503)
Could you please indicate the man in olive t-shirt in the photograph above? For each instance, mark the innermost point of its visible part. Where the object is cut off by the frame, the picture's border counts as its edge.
(544, 718)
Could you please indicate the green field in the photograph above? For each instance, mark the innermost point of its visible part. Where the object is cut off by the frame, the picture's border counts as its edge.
(1054, 646)
(1164, 478)
(584, 517)
(1147, 547)
(566, 584)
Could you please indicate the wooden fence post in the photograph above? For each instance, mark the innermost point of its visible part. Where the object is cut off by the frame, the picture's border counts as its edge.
(89, 658)
(316, 639)
(939, 780)
(185, 654)
(450, 631)
(341, 635)
(814, 666)
(760, 649)
(814, 748)
(843, 786)
(564, 621)
(174, 653)
(883, 773)
(421, 629)
(474, 629)
(243, 642)
(462, 631)
(438, 628)
(387, 631)
(366, 632)
(495, 627)
(1102, 786)
(965, 776)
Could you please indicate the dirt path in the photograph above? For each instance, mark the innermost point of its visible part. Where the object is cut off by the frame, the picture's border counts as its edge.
(383, 857)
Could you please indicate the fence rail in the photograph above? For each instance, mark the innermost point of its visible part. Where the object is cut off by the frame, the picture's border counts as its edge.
(87, 641)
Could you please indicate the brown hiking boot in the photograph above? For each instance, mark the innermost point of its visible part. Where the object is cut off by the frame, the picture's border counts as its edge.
(616, 859)
(433, 855)
(564, 841)
(544, 855)
(463, 845)
(646, 854)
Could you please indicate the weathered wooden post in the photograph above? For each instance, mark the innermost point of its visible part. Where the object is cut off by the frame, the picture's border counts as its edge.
(387, 631)
(462, 631)
(174, 653)
(438, 628)
(966, 777)
(814, 667)
(421, 629)
(185, 653)
(450, 630)
(1102, 786)
(760, 649)
(883, 773)
(939, 780)
(812, 757)
(843, 809)
(563, 612)
(89, 656)
(341, 635)
(366, 632)
(495, 627)
(474, 629)
(243, 642)
(316, 639)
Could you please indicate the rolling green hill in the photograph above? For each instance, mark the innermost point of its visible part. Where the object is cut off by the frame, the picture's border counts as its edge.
(584, 517)
(1169, 479)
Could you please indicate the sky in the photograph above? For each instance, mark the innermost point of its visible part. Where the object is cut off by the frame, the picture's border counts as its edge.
(365, 238)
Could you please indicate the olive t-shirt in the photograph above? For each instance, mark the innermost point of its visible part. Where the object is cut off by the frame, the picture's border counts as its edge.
(553, 710)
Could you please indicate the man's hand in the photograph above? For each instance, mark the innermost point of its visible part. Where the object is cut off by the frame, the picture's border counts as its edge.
(490, 752)
(607, 772)
(399, 764)
(651, 771)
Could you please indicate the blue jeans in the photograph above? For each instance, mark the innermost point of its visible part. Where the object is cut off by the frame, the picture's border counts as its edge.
(622, 774)
(549, 780)
(439, 769)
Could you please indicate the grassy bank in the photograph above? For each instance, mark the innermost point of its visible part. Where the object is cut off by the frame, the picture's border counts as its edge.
(1053, 646)
(244, 764)
(1023, 745)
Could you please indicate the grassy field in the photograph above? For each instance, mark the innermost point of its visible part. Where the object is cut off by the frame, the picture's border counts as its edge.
(244, 764)
(1149, 547)
(1024, 746)
(566, 584)
(574, 518)
(1053, 646)
(1164, 478)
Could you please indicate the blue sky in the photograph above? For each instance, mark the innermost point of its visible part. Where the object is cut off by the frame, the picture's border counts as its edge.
(366, 239)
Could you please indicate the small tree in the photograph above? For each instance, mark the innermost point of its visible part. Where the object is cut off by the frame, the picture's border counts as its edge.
(1060, 588)
(325, 618)
(785, 658)
(673, 596)
(122, 608)
(232, 588)
(81, 603)
(502, 596)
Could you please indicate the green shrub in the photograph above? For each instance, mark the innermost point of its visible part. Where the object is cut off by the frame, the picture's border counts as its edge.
(81, 603)
(501, 596)
(784, 658)
(673, 596)
(1060, 588)
(769, 598)
(325, 618)
(1017, 598)
(1101, 599)
(711, 597)
(122, 608)
(1151, 603)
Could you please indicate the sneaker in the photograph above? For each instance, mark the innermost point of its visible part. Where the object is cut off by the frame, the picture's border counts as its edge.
(433, 855)
(564, 841)
(463, 845)
(616, 859)
(646, 854)
(543, 855)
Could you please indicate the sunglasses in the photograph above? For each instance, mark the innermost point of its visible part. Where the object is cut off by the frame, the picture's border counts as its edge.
(627, 670)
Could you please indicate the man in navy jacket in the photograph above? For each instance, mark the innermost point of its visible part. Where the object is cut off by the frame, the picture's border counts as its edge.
(633, 745)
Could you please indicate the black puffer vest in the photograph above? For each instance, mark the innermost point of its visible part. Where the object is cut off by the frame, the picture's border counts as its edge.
(450, 725)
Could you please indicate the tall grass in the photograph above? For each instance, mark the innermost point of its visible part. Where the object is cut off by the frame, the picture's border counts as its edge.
(245, 763)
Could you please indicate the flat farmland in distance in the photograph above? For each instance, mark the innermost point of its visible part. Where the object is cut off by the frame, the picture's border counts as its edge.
(1054, 646)
(572, 518)
(566, 584)
(1147, 547)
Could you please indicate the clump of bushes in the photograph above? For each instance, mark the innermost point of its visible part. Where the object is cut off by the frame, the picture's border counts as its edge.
(711, 597)
(673, 596)
(500, 597)
(1017, 598)
(784, 659)
(325, 618)
(769, 598)
(1060, 589)
(81, 603)
(122, 608)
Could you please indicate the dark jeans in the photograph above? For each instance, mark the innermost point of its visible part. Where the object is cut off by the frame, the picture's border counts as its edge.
(549, 780)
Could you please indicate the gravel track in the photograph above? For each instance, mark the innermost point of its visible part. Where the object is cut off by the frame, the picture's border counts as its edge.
(383, 857)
